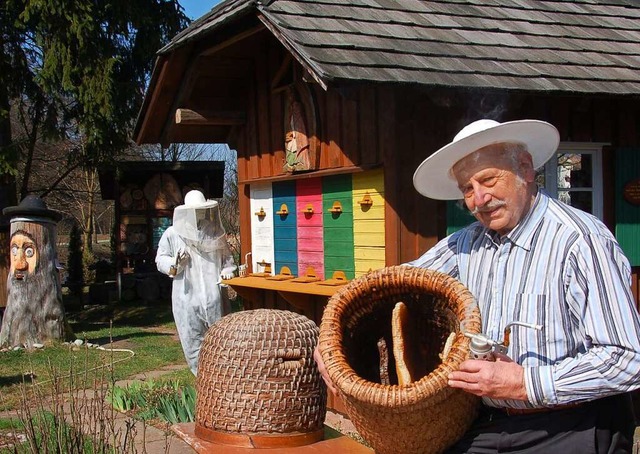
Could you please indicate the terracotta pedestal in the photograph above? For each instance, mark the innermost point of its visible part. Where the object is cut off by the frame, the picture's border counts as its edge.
(340, 444)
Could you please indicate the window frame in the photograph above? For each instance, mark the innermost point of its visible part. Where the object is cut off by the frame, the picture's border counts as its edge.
(597, 185)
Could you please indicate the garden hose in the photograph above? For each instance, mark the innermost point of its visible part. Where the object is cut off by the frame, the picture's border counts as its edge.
(99, 347)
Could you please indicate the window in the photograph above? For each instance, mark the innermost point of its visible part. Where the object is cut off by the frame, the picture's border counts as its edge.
(574, 176)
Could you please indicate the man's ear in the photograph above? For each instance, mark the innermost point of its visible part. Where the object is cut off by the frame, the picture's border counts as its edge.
(527, 171)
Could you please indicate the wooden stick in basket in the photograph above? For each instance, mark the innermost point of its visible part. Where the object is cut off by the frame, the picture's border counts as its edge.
(401, 336)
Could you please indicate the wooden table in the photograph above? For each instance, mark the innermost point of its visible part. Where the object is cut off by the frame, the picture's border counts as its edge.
(299, 294)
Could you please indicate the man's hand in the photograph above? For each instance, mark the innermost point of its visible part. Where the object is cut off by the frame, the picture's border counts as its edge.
(225, 276)
(323, 371)
(182, 258)
(179, 262)
(502, 379)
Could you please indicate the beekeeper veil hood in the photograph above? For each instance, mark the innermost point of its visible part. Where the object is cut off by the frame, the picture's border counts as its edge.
(198, 222)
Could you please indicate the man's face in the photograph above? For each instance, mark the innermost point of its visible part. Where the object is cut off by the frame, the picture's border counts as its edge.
(24, 256)
(494, 183)
(204, 218)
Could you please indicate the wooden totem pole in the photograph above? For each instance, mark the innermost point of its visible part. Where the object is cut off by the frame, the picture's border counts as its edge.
(35, 312)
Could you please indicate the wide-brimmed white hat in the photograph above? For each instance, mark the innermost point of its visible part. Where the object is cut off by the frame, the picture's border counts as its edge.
(433, 178)
(196, 199)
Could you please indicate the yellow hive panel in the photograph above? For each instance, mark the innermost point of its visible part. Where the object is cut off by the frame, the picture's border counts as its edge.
(368, 221)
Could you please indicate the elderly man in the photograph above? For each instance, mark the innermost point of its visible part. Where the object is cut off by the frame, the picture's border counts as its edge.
(195, 253)
(533, 259)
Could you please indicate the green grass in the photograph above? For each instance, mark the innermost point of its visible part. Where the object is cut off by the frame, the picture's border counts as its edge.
(147, 331)
(183, 376)
(10, 424)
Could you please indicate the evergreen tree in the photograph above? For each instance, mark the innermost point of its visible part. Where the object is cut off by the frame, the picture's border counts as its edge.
(81, 67)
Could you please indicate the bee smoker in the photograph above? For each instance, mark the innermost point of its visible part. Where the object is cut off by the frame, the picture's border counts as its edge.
(483, 347)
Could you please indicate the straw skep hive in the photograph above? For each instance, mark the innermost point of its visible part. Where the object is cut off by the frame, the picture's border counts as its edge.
(258, 385)
(426, 415)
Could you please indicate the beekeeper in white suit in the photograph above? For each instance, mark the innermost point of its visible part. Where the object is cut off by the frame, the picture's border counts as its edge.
(195, 253)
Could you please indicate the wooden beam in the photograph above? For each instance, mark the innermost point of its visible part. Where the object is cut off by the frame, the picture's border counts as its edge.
(210, 118)
(162, 95)
(285, 67)
(181, 93)
(143, 132)
(292, 49)
(233, 40)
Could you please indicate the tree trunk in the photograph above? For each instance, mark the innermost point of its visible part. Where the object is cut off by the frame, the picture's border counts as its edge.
(35, 312)
(33, 139)
(90, 177)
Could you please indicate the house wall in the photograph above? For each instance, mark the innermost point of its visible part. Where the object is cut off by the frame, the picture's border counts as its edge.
(364, 127)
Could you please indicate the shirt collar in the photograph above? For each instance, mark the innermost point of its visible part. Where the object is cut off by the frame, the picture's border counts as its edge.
(523, 233)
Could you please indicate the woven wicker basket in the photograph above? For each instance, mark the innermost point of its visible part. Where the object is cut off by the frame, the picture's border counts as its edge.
(258, 385)
(426, 416)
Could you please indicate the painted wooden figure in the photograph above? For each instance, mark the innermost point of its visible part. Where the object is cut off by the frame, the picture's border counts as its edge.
(35, 312)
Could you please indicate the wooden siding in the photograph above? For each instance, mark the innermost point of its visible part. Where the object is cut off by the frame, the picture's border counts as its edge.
(338, 226)
(627, 215)
(347, 121)
(285, 232)
(368, 221)
(400, 128)
(309, 225)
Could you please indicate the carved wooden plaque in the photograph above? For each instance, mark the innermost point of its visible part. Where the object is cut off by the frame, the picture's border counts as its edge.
(631, 192)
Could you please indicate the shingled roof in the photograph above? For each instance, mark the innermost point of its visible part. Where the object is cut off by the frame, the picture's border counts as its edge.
(585, 46)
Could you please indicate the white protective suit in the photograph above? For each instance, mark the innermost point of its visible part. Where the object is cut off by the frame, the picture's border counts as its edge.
(196, 247)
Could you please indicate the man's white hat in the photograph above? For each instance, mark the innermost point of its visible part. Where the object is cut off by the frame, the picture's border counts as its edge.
(433, 178)
(195, 199)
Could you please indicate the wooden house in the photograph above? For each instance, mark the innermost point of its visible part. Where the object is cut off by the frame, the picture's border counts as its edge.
(332, 104)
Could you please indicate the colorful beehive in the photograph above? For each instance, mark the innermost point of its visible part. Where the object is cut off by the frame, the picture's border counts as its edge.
(261, 227)
(337, 211)
(331, 224)
(368, 221)
(285, 239)
(309, 217)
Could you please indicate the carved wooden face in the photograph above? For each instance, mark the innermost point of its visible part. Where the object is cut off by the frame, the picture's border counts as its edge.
(24, 255)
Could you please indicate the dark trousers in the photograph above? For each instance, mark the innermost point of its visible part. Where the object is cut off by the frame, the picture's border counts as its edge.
(601, 426)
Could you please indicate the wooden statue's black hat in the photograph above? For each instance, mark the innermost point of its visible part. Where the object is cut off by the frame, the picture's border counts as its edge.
(31, 206)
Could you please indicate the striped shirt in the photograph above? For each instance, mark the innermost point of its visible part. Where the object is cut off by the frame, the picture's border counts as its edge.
(563, 269)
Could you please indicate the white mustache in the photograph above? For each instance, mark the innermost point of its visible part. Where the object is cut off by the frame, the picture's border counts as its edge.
(488, 207)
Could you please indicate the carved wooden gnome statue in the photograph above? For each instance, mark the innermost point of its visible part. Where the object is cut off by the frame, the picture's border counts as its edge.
(35, 312)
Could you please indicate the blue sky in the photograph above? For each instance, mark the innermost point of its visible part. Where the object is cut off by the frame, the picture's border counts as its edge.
(196, 8)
